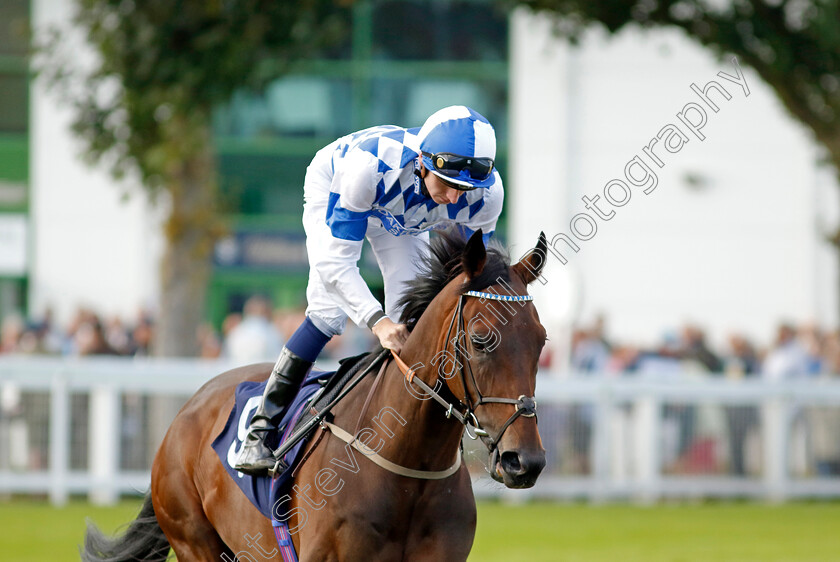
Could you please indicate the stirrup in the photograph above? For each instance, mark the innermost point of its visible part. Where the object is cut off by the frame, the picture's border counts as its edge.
(279, 468)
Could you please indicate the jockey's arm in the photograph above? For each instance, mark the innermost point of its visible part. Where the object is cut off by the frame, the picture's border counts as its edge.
(337, 265)
(351, 199)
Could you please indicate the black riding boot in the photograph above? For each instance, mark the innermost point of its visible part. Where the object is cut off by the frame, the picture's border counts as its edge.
(255, 458)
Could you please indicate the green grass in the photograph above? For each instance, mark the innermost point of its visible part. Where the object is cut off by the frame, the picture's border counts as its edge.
(719, 532)
(32, 531)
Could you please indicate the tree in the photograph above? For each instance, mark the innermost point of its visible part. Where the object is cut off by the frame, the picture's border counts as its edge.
(145, 108)
(794, 45)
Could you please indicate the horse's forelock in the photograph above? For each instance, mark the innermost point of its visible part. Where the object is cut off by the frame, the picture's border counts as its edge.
(442, 265)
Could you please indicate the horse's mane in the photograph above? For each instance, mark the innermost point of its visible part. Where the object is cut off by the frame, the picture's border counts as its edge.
(435, 271)
(441, 266)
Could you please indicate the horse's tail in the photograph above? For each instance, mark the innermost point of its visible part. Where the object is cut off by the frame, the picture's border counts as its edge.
(143, 540)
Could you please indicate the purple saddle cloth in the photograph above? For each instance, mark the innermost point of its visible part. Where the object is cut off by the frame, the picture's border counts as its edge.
(263, 491)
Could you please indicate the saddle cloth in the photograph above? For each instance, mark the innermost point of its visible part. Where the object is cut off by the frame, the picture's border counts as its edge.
(265, 493)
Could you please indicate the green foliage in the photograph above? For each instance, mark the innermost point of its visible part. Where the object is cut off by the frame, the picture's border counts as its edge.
(164, 64)
(794, 45)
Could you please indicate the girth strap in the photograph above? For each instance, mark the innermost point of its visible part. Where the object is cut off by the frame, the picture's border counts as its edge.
(388, 465)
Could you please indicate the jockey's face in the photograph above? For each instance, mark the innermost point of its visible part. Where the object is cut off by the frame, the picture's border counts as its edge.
(439, 190)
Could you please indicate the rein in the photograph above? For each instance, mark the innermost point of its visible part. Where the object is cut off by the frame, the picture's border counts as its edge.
(375, 457)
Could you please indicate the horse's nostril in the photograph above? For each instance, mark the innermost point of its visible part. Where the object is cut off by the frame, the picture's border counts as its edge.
(511, 463)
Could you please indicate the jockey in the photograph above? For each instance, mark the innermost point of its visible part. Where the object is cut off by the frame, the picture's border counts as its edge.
(392, 186)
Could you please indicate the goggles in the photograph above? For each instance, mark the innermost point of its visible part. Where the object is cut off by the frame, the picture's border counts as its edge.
(452, 165)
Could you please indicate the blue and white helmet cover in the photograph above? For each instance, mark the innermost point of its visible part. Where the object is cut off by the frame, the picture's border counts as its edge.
(457, 129)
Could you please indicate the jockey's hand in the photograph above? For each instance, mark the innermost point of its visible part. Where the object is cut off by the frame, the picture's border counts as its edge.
(391, 335)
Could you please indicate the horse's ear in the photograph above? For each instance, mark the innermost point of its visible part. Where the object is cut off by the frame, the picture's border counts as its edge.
(531, 265)
(475, 255)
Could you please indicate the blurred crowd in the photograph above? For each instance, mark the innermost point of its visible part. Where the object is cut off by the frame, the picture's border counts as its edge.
(257, 333)
(796, 351)
(699, 432)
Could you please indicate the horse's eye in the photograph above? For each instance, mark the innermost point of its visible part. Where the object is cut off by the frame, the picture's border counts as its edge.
(479, 343)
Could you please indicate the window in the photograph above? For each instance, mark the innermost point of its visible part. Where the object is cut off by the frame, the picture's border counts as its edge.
(14, 27)
(440, 31)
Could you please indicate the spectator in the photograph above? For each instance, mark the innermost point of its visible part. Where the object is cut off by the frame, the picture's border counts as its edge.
(741, 362)
(287, 321)
(694, 348)
(589, 352)
(30, 341)
(52, 337)
(90, 339)
(142, 335)
(117, 336)
(10, 332)
(831, 353)
(788, 358)
(255, 338)
(811, 340)
(208, 342)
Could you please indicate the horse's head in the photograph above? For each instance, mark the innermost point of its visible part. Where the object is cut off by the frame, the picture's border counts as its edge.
(488, 348)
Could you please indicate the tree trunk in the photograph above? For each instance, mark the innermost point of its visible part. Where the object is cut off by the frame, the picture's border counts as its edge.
(192, 229)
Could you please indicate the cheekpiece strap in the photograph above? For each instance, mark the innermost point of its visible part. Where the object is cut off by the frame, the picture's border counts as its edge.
(495, 297)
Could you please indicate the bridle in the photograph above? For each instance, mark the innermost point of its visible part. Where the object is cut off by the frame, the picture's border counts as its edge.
(464, 411)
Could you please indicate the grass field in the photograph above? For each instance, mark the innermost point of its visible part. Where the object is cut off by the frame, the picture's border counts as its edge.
(802, 532)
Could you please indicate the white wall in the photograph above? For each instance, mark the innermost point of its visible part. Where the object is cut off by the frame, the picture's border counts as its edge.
(740, 254)
(540, 161)
(90, 247)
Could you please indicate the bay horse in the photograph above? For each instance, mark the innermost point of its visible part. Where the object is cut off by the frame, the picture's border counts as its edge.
(474, 344)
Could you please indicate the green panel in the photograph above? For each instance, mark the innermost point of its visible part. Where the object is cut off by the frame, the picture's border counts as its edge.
(229, 291)
(14, 158)
(263, 183)
(14, 107)
(13, 295)
(268, 222)
(13, 64)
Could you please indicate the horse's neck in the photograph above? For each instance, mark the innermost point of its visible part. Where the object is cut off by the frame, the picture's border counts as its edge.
(414, 431)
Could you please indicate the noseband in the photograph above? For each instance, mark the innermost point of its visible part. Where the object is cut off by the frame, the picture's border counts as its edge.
(464, 412)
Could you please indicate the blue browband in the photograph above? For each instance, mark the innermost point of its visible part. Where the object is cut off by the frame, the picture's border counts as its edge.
(495, 297)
